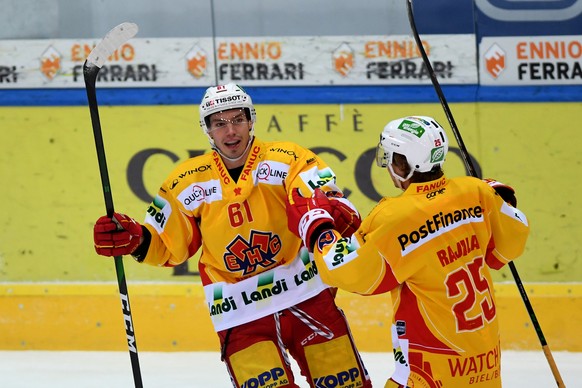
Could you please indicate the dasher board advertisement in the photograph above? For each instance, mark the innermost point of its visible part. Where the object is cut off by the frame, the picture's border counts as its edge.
(249, 61)
(538, 60)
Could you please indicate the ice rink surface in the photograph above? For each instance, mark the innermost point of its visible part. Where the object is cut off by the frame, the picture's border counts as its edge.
(28, 369)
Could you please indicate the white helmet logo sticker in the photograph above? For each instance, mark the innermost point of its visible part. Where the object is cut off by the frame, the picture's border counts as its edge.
(412, 128)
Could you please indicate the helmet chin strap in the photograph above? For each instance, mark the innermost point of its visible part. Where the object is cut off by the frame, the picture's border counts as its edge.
(399, 180)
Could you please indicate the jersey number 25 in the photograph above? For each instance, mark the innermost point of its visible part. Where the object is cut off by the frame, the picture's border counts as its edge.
(476, 290)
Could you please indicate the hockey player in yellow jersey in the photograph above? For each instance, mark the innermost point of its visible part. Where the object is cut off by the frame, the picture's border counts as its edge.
(432, 248)
(264, 294)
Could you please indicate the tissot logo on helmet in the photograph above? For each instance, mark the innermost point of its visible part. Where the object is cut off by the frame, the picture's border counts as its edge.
(227, 99)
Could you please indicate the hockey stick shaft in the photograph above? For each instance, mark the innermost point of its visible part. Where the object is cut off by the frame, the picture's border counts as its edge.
(471, 169)
(95, 60)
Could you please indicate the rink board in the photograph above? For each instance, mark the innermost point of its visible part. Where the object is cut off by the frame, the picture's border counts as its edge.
(51, 281)
(173, 317)
(52, 193)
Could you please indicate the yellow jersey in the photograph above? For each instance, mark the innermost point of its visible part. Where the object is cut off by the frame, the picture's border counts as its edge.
(251, 264)
(433, 247)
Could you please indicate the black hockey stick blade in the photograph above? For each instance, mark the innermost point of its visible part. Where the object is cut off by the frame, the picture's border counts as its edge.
(469, 165)
(96, 59)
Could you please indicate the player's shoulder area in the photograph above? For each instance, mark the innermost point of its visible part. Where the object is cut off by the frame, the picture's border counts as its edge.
(285, 151)
(191, 167)
(467, 181)
(470, 187)
(388, 206)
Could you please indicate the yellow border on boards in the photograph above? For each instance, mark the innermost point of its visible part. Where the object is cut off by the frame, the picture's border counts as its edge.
(184, 289)
(173, 317)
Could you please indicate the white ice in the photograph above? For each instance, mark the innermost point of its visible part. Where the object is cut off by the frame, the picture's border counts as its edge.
(72, 369)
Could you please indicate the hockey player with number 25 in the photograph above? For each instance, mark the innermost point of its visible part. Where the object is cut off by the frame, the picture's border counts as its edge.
(263, 291)
(432, 248)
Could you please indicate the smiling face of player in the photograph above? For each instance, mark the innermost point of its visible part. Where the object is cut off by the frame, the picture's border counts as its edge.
(230, 131)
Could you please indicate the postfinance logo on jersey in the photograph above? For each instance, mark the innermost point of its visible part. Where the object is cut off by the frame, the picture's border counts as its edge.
(439, 223)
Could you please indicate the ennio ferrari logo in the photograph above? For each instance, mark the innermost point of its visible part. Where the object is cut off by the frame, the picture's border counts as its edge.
(50, 63)
(343, 59)
(196, 62)
(495, 61)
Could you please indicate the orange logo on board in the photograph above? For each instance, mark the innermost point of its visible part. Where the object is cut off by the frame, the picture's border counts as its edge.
(50, 63)
(343, 59)
(495, 60)
(196, 62)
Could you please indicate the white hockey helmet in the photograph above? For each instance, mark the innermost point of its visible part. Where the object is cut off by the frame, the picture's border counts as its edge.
(420, 139)
(225, 97)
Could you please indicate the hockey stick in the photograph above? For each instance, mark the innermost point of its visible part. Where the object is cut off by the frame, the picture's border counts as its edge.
(95, 60)
(471, 169)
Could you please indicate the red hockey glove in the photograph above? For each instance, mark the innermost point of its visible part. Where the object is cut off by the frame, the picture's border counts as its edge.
(344, 213)
(506, 192)
(309, 217)
(116, 236)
